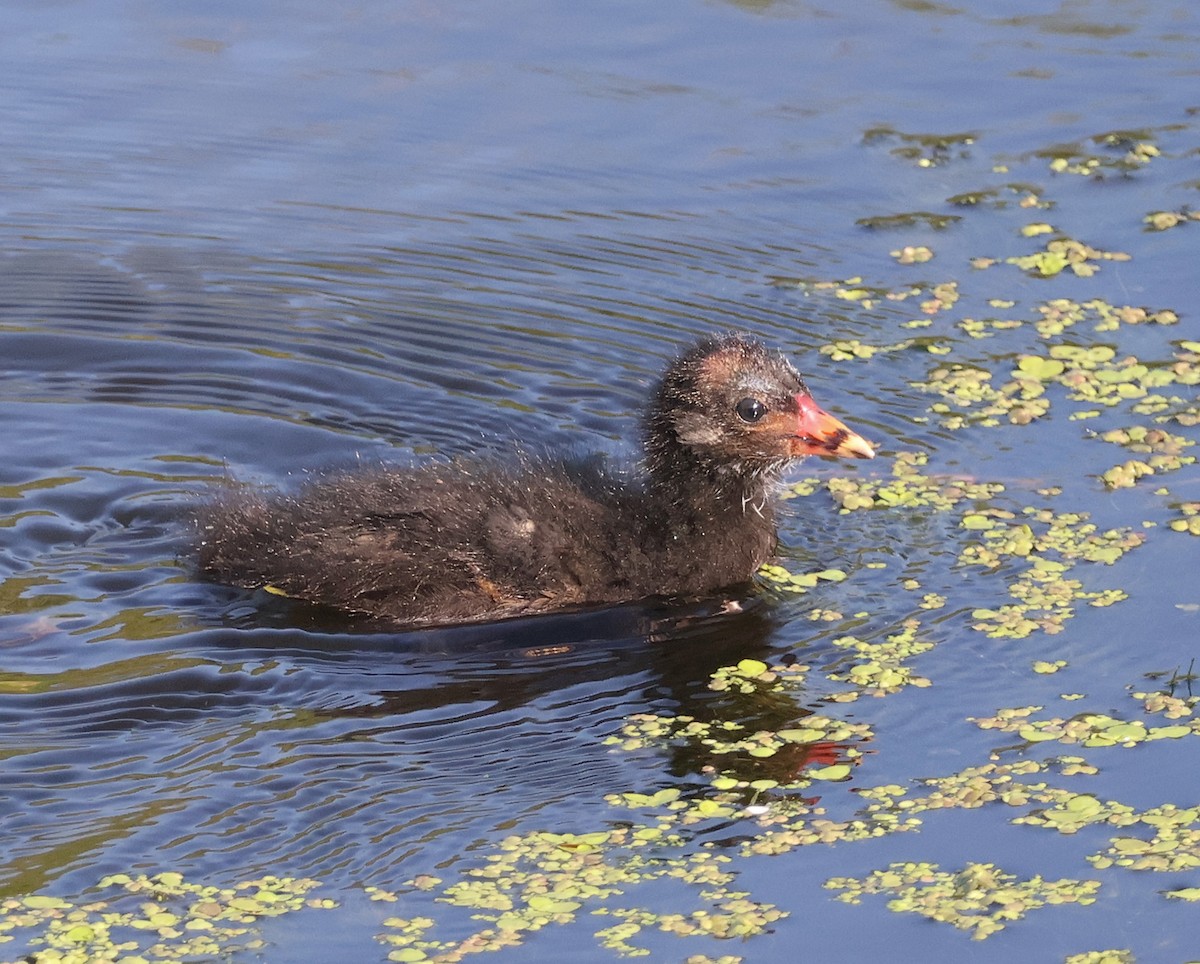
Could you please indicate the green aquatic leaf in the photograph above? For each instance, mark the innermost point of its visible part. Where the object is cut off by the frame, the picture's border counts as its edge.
(551, 905)
(837, 771)
(801, 735)
(1043, 369)
(1168, 732)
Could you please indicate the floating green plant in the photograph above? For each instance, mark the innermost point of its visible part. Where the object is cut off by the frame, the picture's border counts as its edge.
(1165, 220)
(913, 254)
(1049, 544)
(1061, 254)
(971, 398)
(804, 828)
(1094, 375)
(909, 219)
(848, 289)
(980, 898)
(853, 348)
(1036, 228)
(925, 150)
(1061, 314)
(737, 917)
(1189, 518)
(1085, 729)
(1045, 666)
(783, 580)
(1175, 845)
(767, 764)
(1161, 452)
(1073, 811)
(727, 737)
(987, 327)
(879, 668)
(969, 199)
(1125, 153)
(767, 741)
(540, 879)
(909, 487)
(160, 917)
(1102, 957)
(1045, 545)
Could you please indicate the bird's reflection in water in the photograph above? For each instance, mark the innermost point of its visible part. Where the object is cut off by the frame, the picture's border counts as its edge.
(659, 658)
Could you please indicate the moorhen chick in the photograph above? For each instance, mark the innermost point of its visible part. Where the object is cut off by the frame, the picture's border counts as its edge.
(473, 540)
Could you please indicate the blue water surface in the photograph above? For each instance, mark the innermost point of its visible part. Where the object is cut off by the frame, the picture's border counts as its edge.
(256, 241)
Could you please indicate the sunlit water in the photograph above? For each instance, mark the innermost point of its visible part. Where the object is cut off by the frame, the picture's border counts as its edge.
(262, 240)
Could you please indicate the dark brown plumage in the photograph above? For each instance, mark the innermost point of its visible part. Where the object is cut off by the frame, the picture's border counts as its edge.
(468, 541)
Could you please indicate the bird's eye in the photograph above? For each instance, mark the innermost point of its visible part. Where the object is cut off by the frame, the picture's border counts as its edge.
(750, 409)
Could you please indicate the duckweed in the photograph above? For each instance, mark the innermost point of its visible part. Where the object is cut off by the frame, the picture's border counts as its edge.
(1074, 811)
(1174, 847)
(1062, 253)
(1045, 666)
(158, 917)
(972, 198)
(1189, 518)
(765, 739)
(1162, 451)
(770, 739)
(925, 150)
(853, 348)
(1058, 315)
(536, 880)
(1092, 729)
(878, 667)
(737, 917)
(781, 579)
(1043, 596)
(1165, 220)
(1093, 375)
(721, 738)
(987, 327)
(969, 389)
(1126, 154)
(913, 254)
(909, 219)
(908, 488)
(1101, 957)
(980, 898)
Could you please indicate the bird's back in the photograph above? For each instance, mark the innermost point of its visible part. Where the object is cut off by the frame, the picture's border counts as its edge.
(464, 541)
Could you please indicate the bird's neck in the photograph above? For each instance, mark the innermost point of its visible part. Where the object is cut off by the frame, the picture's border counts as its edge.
(681, 478)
